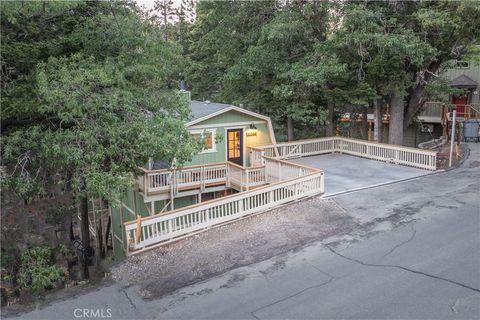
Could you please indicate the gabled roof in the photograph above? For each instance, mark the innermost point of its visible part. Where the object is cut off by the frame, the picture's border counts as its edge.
(463, 82)
(201, 111)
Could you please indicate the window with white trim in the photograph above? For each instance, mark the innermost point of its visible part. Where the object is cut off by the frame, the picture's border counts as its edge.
(208, 138)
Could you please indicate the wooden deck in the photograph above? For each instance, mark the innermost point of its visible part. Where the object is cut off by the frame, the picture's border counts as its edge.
(272, 181)
(412, 157)
(230, 175)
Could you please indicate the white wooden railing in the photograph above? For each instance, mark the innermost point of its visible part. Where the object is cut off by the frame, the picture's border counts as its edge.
(157, 181)
(276, 181)
(158, 229)
(413, 157)
(243, 178)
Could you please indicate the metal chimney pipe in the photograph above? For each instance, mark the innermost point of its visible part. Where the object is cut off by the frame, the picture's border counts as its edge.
(182, 85)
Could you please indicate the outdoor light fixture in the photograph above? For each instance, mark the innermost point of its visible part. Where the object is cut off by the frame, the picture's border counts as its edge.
(252, 130)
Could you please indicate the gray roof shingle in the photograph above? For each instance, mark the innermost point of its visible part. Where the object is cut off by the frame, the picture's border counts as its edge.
(463, 82)
(200, 109)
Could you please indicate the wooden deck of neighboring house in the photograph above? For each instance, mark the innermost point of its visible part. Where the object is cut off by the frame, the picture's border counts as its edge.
(433, 113)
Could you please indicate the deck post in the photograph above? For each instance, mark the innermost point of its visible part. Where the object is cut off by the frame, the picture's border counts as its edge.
(279, 171)
(202, 178)
(241, 180)
(139, 229)
(172, 190)
(227, 173)
(146, 184)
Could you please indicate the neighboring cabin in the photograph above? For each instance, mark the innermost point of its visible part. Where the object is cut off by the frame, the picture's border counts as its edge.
(462, 75)
(228, 132)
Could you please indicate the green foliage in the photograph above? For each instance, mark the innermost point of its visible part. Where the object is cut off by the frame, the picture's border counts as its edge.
(38, 270)
(94, 105)
(291, 59)
(55, 214)
(63, 250)
(250, 52)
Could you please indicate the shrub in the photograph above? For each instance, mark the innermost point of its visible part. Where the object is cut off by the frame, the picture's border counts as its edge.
(38, 270)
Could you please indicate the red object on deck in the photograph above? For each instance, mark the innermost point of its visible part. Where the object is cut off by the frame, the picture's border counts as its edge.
(460, 102)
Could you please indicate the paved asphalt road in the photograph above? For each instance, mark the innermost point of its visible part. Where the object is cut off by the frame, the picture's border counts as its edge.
(423, 261)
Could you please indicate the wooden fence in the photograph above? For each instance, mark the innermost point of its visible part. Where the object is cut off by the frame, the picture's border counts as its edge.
(412, 157)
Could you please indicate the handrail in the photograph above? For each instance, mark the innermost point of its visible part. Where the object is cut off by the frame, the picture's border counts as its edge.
(223, 199)
(284, 182)
(293, 181)
(305, 141)
(152, 231)
(474, 108)
(180, 168)
(467, 111)
(424, 159)
(163, 180)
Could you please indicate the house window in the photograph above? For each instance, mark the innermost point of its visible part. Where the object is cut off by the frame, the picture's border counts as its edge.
(208, 139)
(461, 64)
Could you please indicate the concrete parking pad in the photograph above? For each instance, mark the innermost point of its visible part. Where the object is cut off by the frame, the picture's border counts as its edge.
(346, 173)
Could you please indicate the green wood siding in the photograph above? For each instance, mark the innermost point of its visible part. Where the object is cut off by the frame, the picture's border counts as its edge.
(134, 200)
(184, 201)
(212, 157)
(223, 122)
(228, 117)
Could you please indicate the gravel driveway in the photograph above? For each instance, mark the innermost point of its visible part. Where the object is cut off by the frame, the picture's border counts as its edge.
(256, 238)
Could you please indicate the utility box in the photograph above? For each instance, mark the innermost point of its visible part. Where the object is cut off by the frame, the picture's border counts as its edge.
(471, 130)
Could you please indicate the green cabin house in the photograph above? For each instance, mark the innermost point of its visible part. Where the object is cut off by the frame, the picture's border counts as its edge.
(229, 133)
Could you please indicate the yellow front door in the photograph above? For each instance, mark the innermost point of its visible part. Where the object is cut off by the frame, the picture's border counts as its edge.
(235, 146)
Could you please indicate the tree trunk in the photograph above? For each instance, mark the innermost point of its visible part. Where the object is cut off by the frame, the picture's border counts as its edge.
(415, 102)
(329, 128)
(107, 233)
(397, 108)
(365, 123)
(416, 95)
(66, 227)
(165, 18)
(290, 135)
(101, 248)
(377, 126)
(84, 230)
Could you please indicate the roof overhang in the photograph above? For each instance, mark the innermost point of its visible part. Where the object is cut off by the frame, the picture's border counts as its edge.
(463, 82)
(231, 108)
